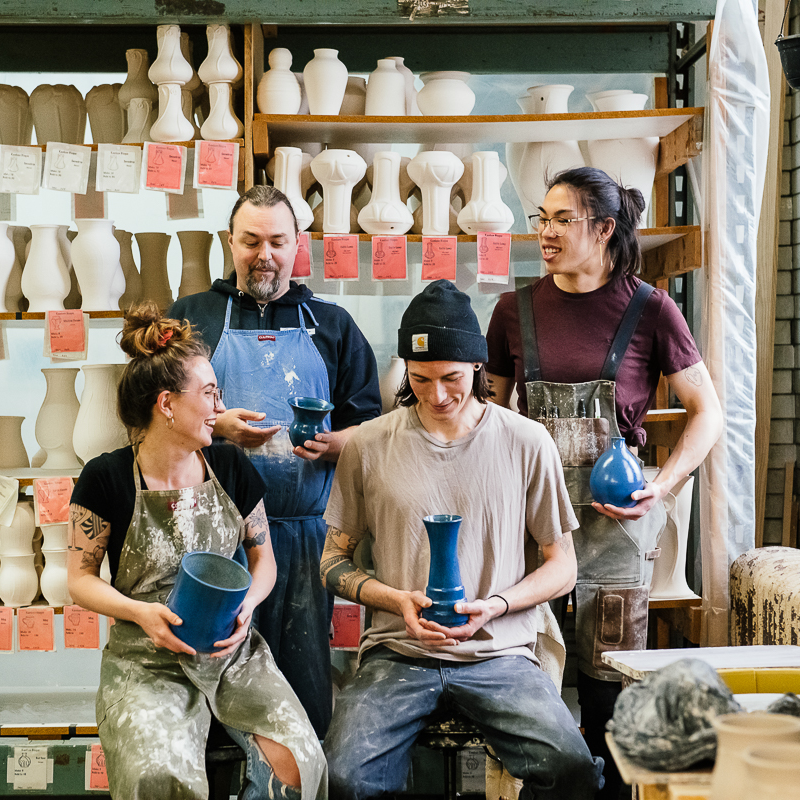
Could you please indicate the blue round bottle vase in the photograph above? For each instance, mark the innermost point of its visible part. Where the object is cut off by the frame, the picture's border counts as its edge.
(616, 475)
(444, 579)
(207, 595)
(309, 416)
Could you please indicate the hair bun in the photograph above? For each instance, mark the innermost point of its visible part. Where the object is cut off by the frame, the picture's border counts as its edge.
(146, 332)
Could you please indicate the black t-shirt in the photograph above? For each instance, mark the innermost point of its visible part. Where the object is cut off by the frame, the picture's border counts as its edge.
(106, 488)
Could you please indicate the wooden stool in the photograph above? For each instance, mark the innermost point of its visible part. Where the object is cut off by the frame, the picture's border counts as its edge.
(223, 755)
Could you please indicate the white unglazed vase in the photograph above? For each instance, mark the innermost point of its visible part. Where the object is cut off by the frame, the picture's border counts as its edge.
(12, 453)
(65, 238)
(386, 91)
(45, 279)
(772, 773)
(16, 539)
(16, 122)
(53, 580)
(133, 280)
(390, 383)
(338, 171)
(95, 256)
(171, 125)
(219, 64)
(137, 83)
(325, 80)
(735, 734)
(56, 420)
(196, 270)
(485, 211)
(55, 537)
(412, 109)
(97, 428)
(385, 213)
(106, 116)
(19, 583)
(59, 114)
(278, 90)
(289, 164)
(140, 120)
(445, 94)
(153, 265)
(435, 172)
(170, 65)
(222, 123)
(8, 257)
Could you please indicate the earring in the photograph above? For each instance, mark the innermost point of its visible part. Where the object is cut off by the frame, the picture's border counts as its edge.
(170, 423)
(476, 367)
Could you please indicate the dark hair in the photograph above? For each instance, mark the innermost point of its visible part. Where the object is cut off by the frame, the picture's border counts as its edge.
(602, 197)
(160, 351)
(480, 389)
(263, 197)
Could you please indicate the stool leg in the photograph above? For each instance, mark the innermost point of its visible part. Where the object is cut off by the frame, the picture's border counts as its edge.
(450, 773)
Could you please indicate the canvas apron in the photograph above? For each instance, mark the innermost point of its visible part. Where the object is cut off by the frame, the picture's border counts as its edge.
(154, 706)
(615, 557)
(260, 370)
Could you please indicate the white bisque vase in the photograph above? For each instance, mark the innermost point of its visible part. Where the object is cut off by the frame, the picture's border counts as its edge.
(390, 383)
(12, 452)
(630, 162)
(279, 90)
(735, 734)
(95, 256)
(8, 258)
(325, 80)
(354, 103)
(435, 172)
(289, 165)
(222, 123)
(137, 83)
(14, 299)
(19, 583)
(140, 120)
(56, 419)
(227, 256)
(130, 272)
(170, 65)
(59, 114)
(445, 94)
(55, 537)
(772, 773)
(385, 213)
(53, 580)
(153, 265)
(45, 279)
(171, 125)
(65, 238)
(16, 122)
(485, 211)
(196, 270)
(97, 428)
(412, 109)
(16, 539)
(338, 171)
(386, 91)
(219, 64)
(106, 115)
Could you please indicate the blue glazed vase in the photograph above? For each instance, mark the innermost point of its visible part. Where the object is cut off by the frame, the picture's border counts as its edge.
(616, 474)
(444, 579)
(309, 413)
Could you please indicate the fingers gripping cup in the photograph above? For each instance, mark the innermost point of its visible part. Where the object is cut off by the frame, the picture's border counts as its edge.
(444, 581)
(309, 416)
(207, 596)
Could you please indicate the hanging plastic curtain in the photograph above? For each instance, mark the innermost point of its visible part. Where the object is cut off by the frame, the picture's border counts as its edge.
(734, 166)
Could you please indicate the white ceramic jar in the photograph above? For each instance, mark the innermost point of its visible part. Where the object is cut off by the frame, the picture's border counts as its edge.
(279, 90)
(95, 255)
(386, 91)
(45, 280)
(97, 427)
(445, 94)
(325, 80)
(56, 419)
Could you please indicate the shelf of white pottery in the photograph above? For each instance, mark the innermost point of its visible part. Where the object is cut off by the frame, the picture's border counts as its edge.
(26, 475)
(97, 319)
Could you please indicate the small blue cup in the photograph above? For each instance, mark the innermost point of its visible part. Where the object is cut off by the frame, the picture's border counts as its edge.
(309, 415)
(207, 596)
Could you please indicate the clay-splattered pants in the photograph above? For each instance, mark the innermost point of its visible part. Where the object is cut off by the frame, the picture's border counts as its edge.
(384, 707)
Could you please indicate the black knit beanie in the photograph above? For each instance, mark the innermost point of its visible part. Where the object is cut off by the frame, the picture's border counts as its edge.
(440, 325)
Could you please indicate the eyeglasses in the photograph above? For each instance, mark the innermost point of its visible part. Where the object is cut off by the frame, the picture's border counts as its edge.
(558, 225)
(216, 393)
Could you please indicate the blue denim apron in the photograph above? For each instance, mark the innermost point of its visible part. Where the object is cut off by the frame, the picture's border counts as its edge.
(260, 370)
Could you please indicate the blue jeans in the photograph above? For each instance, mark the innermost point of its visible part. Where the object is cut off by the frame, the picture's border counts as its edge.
(383, 708)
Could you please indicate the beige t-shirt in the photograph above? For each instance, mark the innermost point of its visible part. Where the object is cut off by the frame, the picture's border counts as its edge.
(504, 479)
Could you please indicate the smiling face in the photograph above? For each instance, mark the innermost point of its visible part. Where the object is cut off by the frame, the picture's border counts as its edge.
(443, 388)
(263, 244)
(195, 408)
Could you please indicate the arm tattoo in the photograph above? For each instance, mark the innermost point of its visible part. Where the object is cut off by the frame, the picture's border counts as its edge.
(256, 527)
(694, 376)
(566, 542)
(88, 535)
(338, 571)
(89, 523)
(92, 559)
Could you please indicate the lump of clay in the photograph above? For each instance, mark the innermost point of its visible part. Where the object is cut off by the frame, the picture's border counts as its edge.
(788, 704)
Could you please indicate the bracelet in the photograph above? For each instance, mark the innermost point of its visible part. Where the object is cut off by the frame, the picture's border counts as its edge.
(503, 599)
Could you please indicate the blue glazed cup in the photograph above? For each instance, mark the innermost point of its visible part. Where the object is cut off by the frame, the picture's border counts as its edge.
(207, 596)
(309, 416)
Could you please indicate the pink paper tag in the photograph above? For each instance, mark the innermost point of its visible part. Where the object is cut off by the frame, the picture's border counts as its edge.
(341, 257)
(494, 257)
(51, 500)
(81, 628)
(67, 331)
(6, 629)
(389, 261)
(302, 261)
(215, 164)
(164, 167)
(439, 257)
(98, 776)
(35, 628)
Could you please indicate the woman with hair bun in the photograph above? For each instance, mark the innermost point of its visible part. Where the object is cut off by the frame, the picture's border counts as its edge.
(591, 340)
(146, 505)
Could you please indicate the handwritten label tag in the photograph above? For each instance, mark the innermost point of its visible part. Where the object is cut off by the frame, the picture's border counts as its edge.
(494, 257)
(389, 262)
(35, 628)
(6, 630)
(302, 261)
(165, 167)
(30, 768)
(341, 257)
(66, 167)
(51, 500)
(216, 165)
(66, 331)
(20, 169)
(439, 255)
(81, 628)
(97, 777)
(119, 168)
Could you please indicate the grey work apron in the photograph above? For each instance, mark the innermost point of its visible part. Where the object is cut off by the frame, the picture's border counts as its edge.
(154, 706)
(615, 557)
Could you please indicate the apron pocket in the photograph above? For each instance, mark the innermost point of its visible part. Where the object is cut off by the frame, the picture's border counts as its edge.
(580, 440)
(620, 621)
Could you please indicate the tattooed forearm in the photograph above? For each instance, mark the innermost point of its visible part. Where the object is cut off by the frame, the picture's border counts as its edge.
(338, 572)
(566, 542)
(694, 376)
(257, 527)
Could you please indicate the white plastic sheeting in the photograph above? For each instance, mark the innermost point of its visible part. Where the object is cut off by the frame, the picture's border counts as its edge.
(734, 166)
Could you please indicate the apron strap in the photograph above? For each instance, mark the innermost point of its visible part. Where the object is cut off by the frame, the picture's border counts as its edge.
(527, 329)
(627, 327)
(310, 314)
(228, 314)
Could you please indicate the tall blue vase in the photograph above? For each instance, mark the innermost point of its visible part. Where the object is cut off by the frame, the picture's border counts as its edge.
(616, 474)
(444, 580)
(309, 414)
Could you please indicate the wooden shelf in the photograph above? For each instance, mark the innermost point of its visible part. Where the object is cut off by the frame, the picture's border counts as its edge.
(27, 475)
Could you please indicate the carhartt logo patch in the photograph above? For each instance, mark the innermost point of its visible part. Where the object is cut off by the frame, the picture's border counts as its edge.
(419, 343)
(265, 338)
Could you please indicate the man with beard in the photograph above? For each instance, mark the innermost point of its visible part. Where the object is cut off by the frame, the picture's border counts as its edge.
(272, 340)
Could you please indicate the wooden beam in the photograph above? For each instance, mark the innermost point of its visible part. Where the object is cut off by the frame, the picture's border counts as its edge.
(661, 184)
(253, 70)
(788, 506)
(664, 428)
(679, 146)
(673, 258)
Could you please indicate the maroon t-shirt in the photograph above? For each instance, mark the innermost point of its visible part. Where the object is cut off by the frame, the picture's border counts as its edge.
(574, 333)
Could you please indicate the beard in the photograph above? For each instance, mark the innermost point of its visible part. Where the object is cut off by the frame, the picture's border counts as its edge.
(262, 289)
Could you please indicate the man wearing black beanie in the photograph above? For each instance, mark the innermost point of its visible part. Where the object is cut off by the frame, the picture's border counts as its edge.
(446, 451)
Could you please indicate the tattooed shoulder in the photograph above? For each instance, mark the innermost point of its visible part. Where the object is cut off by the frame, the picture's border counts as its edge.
(694, 376)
